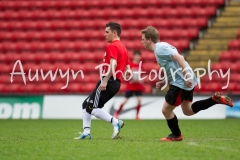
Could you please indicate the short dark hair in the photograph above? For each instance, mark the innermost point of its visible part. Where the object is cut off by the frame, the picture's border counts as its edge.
(136, 52)
(115, 27)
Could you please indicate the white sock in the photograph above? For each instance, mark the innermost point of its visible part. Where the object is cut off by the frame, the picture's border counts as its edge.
(101, 114)
(86, 122)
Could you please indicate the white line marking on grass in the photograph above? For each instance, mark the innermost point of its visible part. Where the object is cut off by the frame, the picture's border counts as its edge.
(213, 147)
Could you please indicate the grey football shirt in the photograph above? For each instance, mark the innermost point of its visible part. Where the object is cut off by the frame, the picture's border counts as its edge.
(163, 53)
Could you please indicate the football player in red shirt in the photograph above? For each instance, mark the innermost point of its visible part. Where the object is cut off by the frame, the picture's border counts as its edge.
(116, 56)
(134, 86)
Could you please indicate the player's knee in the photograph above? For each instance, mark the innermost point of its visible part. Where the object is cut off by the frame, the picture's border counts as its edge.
(84, 105)
(165, 112)
(89, 109)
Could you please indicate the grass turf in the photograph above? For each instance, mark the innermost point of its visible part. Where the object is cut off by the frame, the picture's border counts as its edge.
(53, 139)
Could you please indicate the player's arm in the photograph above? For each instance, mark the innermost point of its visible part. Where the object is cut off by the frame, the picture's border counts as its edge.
(111, 70)
(181, 62)
(112, 67)
(160, 83)
(127, 72)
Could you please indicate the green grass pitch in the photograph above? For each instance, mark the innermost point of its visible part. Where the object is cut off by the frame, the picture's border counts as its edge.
(53, 139)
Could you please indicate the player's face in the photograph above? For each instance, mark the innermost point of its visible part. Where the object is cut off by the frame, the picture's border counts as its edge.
(109, 35)
(145, 42)
(137, 57)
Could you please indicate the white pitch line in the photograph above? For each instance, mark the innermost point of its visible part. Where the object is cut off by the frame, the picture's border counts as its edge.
(213, 147)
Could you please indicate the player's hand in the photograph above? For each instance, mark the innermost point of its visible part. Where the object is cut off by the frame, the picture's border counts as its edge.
(189, 83)
(160, 84)
(103, 86)
(128, 74)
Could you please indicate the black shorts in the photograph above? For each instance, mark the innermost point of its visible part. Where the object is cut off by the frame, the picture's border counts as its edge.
(129, 94)
(98, 98)
(175, 95)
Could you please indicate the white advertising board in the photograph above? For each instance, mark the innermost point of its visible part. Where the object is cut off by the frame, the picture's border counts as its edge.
(70, 107)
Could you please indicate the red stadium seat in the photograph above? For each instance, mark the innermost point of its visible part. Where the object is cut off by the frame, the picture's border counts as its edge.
(215, 66)
(234, 67)
(28, 88)
(58, 88)
(234, 45)
(232, 88)
(203, 12)
(214, 87)
(90, 67)
(228, 65)
(77, 66)
(226, 56)
(13, 57)
(236, 55)
(124, 13)
(44, 88)
(6, 68)
(3, 58)
(147, 89)
(234, 77)
(74, 88)
(31, 65)
(147, 55)
(58, 56)
(238, 34)
(48, 67)
(63, 66)
(13, 88)
(2, 88)
(88, 87)
(5, 78)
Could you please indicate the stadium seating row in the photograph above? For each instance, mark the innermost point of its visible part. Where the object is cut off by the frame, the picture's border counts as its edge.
(53, 57)
(91, 34)
(234, 44)
(233, 77)
(80, 45)
(224, 66)
(99, 23)
(64, 56)
(104, 4)
(50, 88)
(46, 66)
(85, 66)
(232, 88)
(108, 13)
(230, 56)
(91, 74)
(55, 88)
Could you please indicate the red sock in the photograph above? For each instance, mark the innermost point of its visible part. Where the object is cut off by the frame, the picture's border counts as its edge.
(120, 109)
(138, 108)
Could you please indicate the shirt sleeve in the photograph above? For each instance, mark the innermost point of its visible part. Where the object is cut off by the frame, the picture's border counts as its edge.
(112, 52)
(166, 52)
(128, 62)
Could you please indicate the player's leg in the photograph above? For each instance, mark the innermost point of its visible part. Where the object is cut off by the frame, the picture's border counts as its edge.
(86, 123)
(139, 100)
(186, 108)
(101, 98)
(217, 98)
(172, 99)
(87, 106)
(128, 94)
(190, 108)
